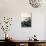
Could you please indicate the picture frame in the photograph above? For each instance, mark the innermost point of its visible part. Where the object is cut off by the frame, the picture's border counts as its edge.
(26, 20)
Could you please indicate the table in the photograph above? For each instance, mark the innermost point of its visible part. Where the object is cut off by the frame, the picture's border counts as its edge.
(27, 42)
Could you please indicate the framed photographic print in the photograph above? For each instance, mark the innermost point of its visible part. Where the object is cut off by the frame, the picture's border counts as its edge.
(26, 20)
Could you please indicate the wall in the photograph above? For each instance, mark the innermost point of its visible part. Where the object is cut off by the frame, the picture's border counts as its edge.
(38, 23)
(14, 8)
(45, 28)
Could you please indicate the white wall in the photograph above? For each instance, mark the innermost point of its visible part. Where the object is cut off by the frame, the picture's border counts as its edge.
(45, 28)
(14, 8)
(38, 23)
